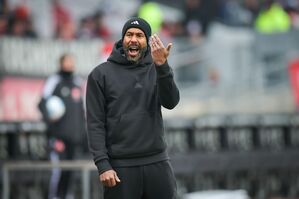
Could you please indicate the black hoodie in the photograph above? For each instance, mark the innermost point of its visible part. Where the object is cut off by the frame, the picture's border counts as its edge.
(124, 120)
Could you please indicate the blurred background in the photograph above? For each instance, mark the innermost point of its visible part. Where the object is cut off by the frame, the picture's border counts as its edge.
(235, 132)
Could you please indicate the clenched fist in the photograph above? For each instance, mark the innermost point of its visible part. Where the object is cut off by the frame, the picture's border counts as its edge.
(109, 178)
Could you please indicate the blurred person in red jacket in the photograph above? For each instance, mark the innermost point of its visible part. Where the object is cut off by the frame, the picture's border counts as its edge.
(63, 23)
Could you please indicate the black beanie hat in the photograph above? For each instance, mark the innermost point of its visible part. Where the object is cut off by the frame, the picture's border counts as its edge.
(140, 23)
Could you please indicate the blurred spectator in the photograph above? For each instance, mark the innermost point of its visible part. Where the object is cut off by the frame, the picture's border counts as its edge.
(63, 23)
(3, 6)
(101, 30)
(20, 24)
(87, 28)
(214, 77)
(234, 13)
(170, 30)
(272, 18)
(199, 14)
(294, 17)
(152, 13)
(292, 8)
(66, 131)
(193, 22)
(66, 32)
(253, 6)
(60, 13)
(3, 25)
(93, 27)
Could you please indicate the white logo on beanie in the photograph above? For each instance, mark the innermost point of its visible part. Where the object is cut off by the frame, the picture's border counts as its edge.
(135, 22)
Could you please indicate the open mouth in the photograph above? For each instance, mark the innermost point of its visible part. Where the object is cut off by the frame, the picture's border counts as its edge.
(133, 51)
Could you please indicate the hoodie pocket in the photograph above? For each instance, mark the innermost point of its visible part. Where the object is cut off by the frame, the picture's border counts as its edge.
(135, 135)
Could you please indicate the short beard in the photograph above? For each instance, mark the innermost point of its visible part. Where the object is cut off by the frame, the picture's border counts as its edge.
(136, 59)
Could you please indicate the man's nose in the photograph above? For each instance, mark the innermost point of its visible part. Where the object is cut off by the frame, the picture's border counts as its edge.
(134, 38)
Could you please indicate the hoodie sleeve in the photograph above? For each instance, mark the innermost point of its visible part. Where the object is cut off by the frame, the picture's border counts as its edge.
(168, 91)
(95, 113)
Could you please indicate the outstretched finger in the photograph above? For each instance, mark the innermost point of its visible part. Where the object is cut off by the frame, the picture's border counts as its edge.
(169, 46)
(158, 41)
(153, 44)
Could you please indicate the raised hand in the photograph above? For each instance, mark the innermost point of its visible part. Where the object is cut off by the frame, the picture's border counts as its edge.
(158, 51)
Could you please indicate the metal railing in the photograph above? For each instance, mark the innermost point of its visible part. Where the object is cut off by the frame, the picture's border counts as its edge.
(85, 167)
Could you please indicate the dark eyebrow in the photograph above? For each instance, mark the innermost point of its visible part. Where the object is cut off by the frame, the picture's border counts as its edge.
(138, 33)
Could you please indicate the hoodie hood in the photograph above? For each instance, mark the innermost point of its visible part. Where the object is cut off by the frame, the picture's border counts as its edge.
(118, 56)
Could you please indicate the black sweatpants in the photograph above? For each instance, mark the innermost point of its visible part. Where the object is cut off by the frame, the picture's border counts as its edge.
(151, 181)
